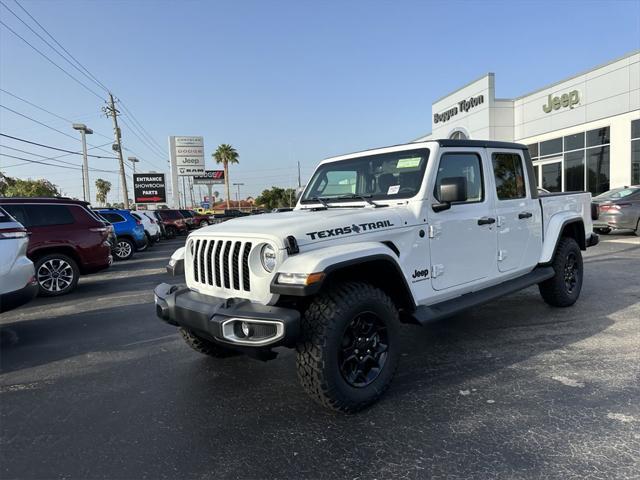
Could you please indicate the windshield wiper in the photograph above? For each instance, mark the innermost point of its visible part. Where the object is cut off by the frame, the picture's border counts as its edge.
(366, 198)
(322, 201)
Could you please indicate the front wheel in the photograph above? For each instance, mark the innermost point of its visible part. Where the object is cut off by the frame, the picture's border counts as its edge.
(563, 289)
(349, 348)
(171, 231)
(204, 346)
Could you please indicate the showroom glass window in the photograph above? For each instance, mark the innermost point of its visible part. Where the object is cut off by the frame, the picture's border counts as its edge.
(635, 152)
(582, 160)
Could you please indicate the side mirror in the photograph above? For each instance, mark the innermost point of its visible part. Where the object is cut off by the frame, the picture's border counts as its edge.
(451, 190)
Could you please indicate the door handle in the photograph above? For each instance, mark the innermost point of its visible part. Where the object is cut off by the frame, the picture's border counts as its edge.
(486, 221)
(522, 215)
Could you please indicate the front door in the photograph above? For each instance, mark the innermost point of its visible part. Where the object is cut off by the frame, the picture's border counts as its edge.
(517, 213)
(463, 237)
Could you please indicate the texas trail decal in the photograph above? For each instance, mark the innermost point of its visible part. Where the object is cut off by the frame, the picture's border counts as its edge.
(359, 228)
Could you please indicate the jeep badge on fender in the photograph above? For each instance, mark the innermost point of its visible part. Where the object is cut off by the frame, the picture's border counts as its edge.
(336, 277)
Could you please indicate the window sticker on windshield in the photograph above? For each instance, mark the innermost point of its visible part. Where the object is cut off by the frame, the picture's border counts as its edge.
(413, 162)
(393, 189)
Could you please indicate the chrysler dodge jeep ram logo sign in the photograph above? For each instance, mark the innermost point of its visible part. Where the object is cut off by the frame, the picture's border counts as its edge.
(354, 228)
(463, 106)
(565, 100)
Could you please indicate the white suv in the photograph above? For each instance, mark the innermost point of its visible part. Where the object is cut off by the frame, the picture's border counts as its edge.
(18, 283)
(150, 224)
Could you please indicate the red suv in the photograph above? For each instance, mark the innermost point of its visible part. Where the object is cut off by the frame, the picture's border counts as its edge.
(66, 240)
(174, 222)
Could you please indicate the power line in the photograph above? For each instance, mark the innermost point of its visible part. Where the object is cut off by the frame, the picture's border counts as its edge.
(48, 44)
(148, 135)
(98, 82)
(52, 148)
(36, 161)
(48, 59)
(145, 142)
(55, 159)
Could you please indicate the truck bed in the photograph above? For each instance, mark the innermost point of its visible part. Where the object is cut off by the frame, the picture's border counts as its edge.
(554, 203)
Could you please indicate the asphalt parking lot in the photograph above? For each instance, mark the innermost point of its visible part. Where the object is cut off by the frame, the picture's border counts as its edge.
(92, 385)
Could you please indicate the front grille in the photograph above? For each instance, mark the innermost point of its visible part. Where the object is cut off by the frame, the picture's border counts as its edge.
(222, 263)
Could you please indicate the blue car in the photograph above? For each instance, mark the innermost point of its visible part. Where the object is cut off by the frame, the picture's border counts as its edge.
(129, 232)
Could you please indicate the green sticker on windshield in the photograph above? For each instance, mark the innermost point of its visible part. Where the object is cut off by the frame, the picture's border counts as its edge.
(413, 162)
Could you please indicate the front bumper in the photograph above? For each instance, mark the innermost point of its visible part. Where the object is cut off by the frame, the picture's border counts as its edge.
(221, 320)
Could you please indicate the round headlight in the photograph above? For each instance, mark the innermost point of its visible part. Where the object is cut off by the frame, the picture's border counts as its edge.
(268, 258)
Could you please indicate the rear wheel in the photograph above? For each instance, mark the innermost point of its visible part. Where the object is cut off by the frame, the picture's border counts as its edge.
(637, 230)
(563, 289)
(205, 347)
(204, 223)
(349, 347)
(171, 231)
(57, 274)
(124, 249)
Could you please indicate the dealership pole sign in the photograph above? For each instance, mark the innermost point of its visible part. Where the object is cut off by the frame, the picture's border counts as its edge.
(149, 188)
(210, 177)
(187, 154)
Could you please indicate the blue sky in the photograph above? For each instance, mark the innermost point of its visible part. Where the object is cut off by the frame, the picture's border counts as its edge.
(282, 81)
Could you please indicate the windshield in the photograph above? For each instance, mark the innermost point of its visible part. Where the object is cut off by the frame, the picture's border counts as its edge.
(618, 193)
(383, 176)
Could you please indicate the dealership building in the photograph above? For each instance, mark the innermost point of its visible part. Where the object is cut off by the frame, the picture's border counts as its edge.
(583, 132)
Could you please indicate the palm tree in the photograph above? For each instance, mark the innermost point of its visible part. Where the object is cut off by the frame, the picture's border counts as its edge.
(103, 187)
(226, 154)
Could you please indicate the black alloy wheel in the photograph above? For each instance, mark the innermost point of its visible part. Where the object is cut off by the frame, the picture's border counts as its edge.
(364, 350)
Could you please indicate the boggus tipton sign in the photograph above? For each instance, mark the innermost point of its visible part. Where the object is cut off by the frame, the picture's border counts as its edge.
(463, 106)
(562, 101)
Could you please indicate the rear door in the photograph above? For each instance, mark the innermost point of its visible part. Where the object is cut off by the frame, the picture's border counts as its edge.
(463, 238)
(518, 214)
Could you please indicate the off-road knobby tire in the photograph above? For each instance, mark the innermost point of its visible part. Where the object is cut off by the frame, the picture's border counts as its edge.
(554, 291)
(205, 347)
(323, 326)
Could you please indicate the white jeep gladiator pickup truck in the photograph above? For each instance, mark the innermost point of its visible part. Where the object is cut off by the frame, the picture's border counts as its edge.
(405, 234)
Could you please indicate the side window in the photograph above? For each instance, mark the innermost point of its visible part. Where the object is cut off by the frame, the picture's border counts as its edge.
(17, 212)
(136, 216)
(47, 215)
(509, 175)
(465, 165)
(113, 217)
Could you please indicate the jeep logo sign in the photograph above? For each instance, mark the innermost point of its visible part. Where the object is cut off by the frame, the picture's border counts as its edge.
(565, 100)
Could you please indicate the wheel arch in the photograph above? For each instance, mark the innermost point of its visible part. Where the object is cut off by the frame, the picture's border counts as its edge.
(52, 249)
(572, 227)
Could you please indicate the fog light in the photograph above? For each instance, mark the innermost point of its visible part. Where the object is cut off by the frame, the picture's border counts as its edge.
(246, 329)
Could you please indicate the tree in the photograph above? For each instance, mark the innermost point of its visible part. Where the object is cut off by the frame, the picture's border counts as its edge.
(16, 187)
(226, 154)
(103, 187)
(276, 197)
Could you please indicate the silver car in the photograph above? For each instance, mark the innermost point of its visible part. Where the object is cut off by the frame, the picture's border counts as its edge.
(618, 209)
(18, 283)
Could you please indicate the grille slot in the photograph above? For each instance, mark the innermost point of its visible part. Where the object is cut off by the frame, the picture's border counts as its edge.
(222, 264)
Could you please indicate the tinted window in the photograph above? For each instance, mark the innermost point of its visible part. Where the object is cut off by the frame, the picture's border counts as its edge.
(5, 217)
(466, 165)
(551, 147)
(113, 217)
(574, 171)
(635, 161)
(598, 136)
(170, 215)
(136, 216)
(598, 170)
(635, 129)
(533, 150)
(552, 176)
(574, 142)
(41, 215)
(509, 175)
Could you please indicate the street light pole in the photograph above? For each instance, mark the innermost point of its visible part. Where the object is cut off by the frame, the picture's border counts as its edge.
(133, 160)
(84, 131)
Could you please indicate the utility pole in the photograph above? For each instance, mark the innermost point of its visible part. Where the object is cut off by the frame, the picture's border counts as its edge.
(238, 194)
(299, 182)
(111, 111)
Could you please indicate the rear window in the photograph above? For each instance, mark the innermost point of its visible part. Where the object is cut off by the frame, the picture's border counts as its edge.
(170, 215)
(619, 193)
(41, 215)
(113, 217)
(136, 216)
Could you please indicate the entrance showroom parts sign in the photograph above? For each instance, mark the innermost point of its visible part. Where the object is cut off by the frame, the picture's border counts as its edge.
(565, 100)
(464, 106)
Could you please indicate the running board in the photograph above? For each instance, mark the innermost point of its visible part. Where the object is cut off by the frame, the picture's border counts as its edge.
(430, 313)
